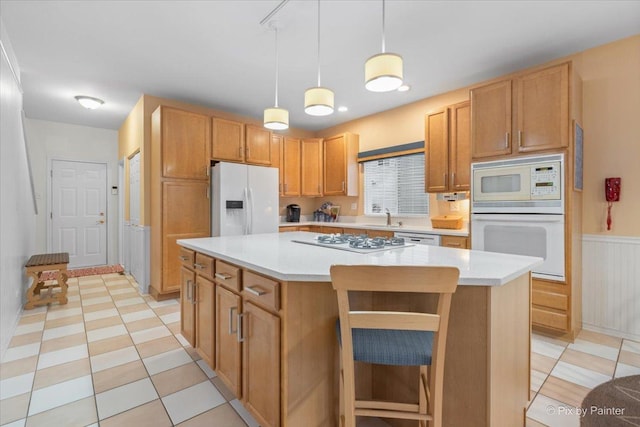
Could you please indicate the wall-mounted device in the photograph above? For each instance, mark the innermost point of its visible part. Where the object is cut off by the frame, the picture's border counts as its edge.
(452, 197)
(612, 194)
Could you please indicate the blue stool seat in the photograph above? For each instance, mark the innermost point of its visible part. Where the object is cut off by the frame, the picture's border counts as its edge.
(390, 346)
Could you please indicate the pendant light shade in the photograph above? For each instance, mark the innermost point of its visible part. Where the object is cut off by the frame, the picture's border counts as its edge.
(276, 118)
(318, 101)
(383, 72)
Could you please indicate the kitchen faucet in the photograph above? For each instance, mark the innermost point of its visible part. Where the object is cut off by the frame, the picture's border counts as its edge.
(388, 218)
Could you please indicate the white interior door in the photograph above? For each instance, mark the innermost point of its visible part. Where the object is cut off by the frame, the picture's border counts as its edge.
(78, 212)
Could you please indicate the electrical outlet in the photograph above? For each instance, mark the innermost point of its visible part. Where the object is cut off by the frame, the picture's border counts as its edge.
(354, 206)
(454, 207)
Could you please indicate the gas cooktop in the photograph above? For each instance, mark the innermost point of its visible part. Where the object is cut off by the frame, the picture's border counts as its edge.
(355, 243)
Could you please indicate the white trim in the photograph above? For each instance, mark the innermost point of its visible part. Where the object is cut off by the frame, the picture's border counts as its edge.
(612, 332)
(13, 70)
(121, 223)
(603, 238)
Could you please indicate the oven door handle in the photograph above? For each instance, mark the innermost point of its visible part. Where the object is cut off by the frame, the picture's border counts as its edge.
(519, 218)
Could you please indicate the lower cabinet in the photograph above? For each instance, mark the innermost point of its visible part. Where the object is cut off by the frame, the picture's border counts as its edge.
(460, 242)
(550, 306)
(205, 300)
(228, 343)
(187, 305)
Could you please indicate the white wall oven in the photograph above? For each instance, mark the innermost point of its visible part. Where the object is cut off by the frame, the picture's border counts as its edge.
(518, 208)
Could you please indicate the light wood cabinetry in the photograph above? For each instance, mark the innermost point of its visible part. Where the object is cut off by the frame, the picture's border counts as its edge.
(258, 146)
(228, 348)
(227, 140)
(187, 306)
(527, 113)
(205, 332)
(179, 199)
(380, 233)
(291, 155)
(340, 175)
(276, 159)
(311, 167)
(551, 305)
(459, 242)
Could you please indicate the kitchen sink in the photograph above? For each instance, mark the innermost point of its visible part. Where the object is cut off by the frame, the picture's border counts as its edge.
(383, 225)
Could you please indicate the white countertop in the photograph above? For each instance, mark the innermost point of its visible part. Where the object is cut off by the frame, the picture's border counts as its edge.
(275, 255)
(421, 229)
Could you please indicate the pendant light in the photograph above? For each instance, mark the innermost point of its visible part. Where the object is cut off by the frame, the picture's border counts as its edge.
(383, 72)
(276, 118)
(318, 101)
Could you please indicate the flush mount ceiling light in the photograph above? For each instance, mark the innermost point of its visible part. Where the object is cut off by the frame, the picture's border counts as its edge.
(89, 102)
(383, 72)
(318, 101)
(404, 88)
(276, 118)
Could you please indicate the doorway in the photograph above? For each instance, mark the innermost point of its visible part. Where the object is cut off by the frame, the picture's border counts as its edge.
(78, 221)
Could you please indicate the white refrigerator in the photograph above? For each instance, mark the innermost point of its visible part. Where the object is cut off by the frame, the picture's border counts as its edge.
(244, 199)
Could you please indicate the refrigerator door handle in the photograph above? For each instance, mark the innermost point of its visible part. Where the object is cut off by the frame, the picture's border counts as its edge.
(251, 210)
(245, 221)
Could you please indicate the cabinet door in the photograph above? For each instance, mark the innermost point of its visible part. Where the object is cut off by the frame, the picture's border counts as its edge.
(436, 137)
(311, 167)
(335, 166)
(291, 167)
(261, 365)
(543, 109)
(276, 158)
(258, 145)
(491, 120)
(380, 233)
(205, 332)
(187, 306)
(459, 242)
(185, 215)
(227, 346)
(460, 147)
(227, 140)
(185, 144)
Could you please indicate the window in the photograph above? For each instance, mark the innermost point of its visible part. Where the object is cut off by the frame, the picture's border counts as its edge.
(397, 184)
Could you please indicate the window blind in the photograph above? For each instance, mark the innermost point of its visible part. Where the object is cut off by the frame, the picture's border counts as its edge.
(397, 184)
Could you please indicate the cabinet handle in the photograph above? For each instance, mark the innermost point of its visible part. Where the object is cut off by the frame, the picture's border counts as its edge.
(184, 258)
(193, 293)
(223, 276)
(286, 187)
(342, 185)
(198, 266)
(319, 192)
(453, 179)
(206, 170)
(253, 291)
(231, 310)
(189, 290)
(240, 151)
(239, 336)
(453, 244)
(519, 138)
(506, 140)
(280, 187)
(207, 191)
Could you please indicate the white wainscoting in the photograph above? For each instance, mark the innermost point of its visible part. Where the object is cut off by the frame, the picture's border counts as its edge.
(611, 285)
(137, 254)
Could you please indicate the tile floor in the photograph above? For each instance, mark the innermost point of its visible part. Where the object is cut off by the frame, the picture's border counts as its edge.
(111, 357)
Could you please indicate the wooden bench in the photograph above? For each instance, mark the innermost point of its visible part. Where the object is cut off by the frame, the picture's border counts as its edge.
(41, 293)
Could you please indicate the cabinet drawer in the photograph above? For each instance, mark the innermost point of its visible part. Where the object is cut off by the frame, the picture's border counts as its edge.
(261, 290)
(227, 275)
(186, 257)
(550, 299)
(455, 242)
(204, 265)
(549, 319)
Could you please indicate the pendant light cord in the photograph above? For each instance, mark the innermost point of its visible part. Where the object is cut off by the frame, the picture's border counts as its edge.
(318, 43)
(383, 44)
(276, 30)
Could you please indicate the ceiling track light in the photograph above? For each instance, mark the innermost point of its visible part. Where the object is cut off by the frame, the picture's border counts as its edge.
(276, 118)
(383, 72)
(89, 102)
(318, 101)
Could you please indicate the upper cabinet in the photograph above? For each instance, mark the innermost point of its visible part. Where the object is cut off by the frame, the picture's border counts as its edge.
(184, 143)
(258, 146)
(524, 114)
(276, 158)
(311, 167)
(290, 167)
(227, 140)
(340, 175)
(447, 149)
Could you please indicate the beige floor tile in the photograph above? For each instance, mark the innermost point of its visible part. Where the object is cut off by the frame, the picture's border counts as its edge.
(91, 283)
(222, 388)
(103, 323)
(109, 344)
(151, 414)
(167, 309)
(589, 361)
(63, 342)
(32, 318)
(14, 408)
(598, 338)
(98, 307)
(174, 327)
(564, 391)
(131, 308)
(629, 358)
(120, 296)
(222, 416)
(91, 295)
(120, 375)
(542, 363)
(79, 413)
(139, 325)
(534, 423)
(177, 379)
(24, 339)
(64, 321)
(60, 373)
(160, 345)
(18, 367)
(70, 304)
(119, 285)
(193, 353)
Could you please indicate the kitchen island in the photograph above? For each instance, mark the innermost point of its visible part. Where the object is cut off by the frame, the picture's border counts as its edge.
(284, 342)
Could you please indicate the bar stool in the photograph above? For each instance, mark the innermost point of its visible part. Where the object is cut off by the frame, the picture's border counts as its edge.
(397, 338)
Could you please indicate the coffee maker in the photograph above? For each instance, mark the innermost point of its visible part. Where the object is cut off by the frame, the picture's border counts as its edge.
(293, 213)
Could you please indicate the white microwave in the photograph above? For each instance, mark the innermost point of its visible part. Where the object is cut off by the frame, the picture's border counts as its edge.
(522, 185)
